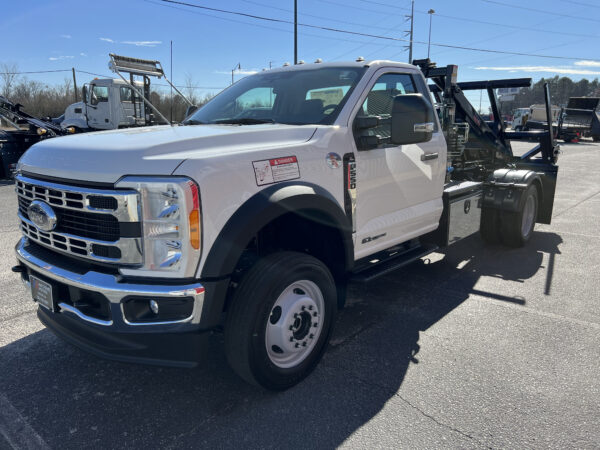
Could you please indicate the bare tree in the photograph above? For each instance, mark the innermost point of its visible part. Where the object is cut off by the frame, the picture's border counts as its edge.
(190, 89)
(8, 75)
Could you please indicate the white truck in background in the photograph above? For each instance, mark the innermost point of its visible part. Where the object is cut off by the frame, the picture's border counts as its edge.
(109, 104)
(535, 113)
(252, 216)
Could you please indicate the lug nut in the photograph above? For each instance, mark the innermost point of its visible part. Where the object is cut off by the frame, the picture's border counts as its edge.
(291, 339)
(291, 327)
(304, 344)
(315, 324)
(315, 314)
(303, 308)
(297, 345)
(311, 336)
(310, 307)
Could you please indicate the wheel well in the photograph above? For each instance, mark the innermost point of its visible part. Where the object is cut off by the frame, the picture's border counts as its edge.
(307, 231)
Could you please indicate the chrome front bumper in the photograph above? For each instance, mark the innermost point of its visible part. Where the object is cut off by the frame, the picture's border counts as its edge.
(115, 291)
(179, 343)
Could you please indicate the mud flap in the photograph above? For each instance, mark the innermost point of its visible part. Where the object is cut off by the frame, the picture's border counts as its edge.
(548, 174)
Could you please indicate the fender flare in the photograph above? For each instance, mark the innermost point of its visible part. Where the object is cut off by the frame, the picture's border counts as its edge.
(262, 208)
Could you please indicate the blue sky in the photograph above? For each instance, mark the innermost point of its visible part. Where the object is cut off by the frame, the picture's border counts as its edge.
(53, 35)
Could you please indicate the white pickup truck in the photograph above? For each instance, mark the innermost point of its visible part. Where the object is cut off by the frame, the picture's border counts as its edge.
(253, 215)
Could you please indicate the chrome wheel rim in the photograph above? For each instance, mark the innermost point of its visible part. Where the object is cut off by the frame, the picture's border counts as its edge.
(294, 324)
(528, 216)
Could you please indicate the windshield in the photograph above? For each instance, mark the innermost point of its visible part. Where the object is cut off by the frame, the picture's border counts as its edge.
(298, 97)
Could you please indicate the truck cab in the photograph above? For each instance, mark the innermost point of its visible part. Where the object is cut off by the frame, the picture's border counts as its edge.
(107, 104)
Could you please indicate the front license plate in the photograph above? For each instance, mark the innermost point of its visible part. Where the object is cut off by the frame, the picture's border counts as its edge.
(42, 292)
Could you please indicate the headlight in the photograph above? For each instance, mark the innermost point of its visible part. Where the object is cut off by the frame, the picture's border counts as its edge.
(171, 226)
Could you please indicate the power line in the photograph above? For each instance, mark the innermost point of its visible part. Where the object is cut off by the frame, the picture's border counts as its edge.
(464, 19)
(542, 11)
(356, 33)
(581, 4)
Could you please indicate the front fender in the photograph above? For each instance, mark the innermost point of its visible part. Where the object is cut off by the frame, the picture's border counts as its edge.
(266, 206)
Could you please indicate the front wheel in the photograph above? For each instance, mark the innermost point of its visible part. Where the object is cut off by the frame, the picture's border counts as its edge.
(280, 319)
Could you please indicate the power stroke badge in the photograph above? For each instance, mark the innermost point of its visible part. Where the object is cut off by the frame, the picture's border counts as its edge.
(271, 171)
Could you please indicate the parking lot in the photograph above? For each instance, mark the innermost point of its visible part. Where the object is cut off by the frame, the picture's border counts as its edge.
(475, 347)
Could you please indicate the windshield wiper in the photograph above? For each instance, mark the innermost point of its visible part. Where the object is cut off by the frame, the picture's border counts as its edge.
(193, 122)
(244, 121)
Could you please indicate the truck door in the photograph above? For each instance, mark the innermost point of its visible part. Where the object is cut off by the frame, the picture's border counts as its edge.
(127, 110)
(99, 111)
(399, 188)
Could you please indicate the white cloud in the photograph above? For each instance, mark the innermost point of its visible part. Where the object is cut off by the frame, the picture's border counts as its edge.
(83, 54)
(588, 63)
(60, 58)
(238, 72)
(107, 40)
(142, 43)
(66, 36)
(545, 69)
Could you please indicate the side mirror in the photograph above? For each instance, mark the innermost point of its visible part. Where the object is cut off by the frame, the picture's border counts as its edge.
(412, 119)
(190, 110)
(84, 93)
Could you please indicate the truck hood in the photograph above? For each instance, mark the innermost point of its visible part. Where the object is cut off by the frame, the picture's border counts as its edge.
(108, 155)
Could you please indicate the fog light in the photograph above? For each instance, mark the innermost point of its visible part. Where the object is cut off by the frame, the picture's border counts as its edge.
(154, 306)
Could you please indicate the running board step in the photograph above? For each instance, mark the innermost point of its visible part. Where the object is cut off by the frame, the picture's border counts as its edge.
(377, 268)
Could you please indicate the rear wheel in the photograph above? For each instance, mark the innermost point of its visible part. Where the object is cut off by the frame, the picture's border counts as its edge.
(280, 320)
(517, 227)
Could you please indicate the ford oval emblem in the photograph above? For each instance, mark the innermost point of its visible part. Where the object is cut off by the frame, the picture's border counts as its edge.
(42, 215)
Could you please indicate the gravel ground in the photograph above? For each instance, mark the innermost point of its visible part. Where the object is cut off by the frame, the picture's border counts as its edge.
(475, 347)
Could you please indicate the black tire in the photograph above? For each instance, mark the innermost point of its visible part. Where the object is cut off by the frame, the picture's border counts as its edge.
(489, 227)
(253, 305)
(517, 227)
(596, 138)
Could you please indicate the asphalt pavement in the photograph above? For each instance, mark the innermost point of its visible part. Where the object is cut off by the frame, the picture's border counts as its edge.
(475, 347)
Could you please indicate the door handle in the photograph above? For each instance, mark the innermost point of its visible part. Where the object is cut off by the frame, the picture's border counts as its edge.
(429, 156)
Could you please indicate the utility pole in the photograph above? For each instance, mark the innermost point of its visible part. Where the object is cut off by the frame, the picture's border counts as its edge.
(74, 84)
(410, 33)
(295, 31)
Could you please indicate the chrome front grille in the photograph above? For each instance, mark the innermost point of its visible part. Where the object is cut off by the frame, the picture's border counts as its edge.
(95, 224)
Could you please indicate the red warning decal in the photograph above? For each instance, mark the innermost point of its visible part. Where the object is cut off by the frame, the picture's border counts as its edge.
(271, 171)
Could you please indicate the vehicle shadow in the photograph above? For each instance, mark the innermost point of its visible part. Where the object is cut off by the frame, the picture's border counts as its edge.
(73, 399)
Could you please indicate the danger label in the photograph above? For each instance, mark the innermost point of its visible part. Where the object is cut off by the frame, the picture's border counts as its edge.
(275, 170)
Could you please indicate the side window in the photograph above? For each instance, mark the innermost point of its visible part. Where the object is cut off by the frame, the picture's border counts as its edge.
(99, 94)
(126, 94)
(380, 99)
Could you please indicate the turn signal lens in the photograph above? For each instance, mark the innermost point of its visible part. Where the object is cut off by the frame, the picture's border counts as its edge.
(195, 229)
(71, 130)
(41, 131)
